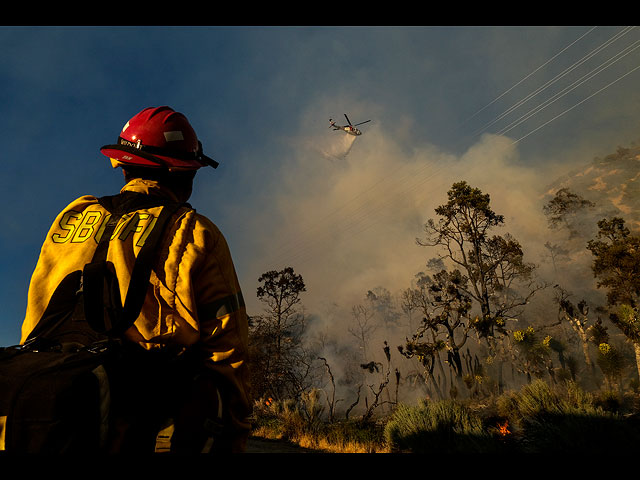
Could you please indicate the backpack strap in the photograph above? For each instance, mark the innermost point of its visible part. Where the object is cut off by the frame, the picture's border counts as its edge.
(103, 308)
(98, 283)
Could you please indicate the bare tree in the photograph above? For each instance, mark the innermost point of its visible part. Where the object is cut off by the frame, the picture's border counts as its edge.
(556, 252)
(378, 390)
(363, 327)
(331, 399)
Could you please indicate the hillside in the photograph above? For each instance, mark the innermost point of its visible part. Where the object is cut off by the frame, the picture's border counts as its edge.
(612, 183)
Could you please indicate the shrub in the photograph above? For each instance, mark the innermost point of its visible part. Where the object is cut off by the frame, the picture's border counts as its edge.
(282, 419)
(439, 427)
(552, 421)
(539, 398)
(368, 435)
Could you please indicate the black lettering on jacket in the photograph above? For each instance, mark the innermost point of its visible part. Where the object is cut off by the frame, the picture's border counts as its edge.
(78, 227)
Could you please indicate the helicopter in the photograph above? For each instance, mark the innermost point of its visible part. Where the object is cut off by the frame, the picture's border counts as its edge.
(350, 129)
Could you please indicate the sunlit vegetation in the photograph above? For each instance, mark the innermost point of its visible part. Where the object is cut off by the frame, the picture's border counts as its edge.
(537, 418)
(460, 361)
(301, 423)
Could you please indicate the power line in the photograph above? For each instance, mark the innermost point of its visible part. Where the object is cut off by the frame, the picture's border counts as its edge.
(579, 103)
(533, 72)
(565, 72)
(603, 66)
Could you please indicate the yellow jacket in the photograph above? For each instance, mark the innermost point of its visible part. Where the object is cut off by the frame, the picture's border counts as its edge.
(195, 294)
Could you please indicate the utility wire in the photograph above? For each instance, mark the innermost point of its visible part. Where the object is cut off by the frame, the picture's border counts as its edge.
(565, 72)
(579, 103)
(603, 66)
(526, 77)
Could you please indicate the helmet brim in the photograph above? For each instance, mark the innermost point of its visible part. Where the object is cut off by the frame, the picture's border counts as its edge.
(125, 155)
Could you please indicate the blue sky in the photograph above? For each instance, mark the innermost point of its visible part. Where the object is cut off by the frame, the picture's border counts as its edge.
(446, 103)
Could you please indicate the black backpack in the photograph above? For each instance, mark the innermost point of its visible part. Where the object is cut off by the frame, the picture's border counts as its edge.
(58, 389)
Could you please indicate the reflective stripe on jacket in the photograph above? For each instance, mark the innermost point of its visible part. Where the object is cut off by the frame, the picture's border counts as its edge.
(194, 297)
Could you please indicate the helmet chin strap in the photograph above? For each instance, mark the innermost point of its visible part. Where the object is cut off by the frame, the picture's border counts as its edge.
(209, 161)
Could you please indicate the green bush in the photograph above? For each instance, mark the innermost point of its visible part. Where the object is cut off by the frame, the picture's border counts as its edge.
(438, 427)
(538, 397)
(569, 420)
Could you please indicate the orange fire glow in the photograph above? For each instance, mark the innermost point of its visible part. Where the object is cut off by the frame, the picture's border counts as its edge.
(504, 429)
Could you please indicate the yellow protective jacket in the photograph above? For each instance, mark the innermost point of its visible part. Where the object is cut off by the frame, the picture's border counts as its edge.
(195, 295)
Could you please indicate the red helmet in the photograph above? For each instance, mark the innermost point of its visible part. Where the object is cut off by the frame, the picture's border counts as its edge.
(158, 137)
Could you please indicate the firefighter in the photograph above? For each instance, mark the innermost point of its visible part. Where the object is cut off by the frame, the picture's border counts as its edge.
(194, 302)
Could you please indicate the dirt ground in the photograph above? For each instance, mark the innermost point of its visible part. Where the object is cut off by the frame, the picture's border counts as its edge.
(264, 445)
(254, 444)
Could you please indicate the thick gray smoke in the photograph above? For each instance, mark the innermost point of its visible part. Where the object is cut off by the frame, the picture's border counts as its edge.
(349, 227)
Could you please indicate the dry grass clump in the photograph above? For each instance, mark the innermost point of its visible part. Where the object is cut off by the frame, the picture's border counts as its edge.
(300, 423)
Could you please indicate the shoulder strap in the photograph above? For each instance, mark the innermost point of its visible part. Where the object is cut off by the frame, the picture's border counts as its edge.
(102, 302)
(139, 283)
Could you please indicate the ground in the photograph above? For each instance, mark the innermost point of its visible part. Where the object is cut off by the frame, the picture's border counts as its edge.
(264, 445)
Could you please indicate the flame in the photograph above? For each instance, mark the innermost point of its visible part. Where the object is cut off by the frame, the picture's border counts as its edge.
(504, 429)
(268, 401)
